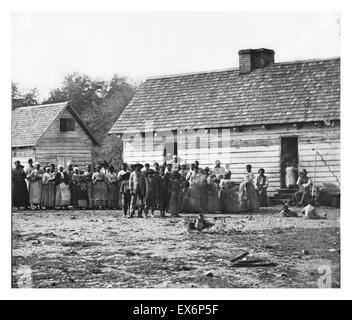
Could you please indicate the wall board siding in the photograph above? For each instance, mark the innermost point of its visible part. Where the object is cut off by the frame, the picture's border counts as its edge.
(260, 148)
(56, 146)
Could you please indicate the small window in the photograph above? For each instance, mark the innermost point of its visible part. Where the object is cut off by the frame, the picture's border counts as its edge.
(67, 124)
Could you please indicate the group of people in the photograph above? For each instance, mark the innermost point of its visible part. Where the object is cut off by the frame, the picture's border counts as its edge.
(172, 187)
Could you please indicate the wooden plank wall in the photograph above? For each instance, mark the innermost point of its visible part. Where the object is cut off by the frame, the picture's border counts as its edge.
(57, 147)
(23, 154)
(254, 145)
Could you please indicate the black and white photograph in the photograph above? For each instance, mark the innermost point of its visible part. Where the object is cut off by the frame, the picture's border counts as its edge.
(175, 150)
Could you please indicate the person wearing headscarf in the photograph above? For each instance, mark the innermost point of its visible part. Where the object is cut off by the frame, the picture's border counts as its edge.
(290, 175)
(35, 187)
(261, 185)
(137, 190)
(28, 170)
(218, 170)
(62, 189)
(249, 197)
(20, 196)
(304, 183)
(113, 192)
(100, 190)
(80, 196)
(48, 190)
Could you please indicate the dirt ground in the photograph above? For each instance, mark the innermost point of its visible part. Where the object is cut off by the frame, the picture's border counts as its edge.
(101, 249)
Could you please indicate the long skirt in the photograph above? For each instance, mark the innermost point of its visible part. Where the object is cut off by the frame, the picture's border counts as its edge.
(35, 192)
(213, 200)
(174, 203)
(186, 200)
(90, 193)
(229, 201)
(248, 196)
(62, 195)
(80, 197)
(195, 197)
(262, 197)
(113, 195)
(100, 193)
(20, 196)
(163, 199)
(48, 195)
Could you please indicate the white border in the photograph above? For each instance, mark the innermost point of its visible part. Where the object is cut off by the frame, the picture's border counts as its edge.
(180, 5)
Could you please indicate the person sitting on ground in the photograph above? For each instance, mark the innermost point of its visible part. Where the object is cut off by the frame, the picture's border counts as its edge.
(310, 212)
(287, 212)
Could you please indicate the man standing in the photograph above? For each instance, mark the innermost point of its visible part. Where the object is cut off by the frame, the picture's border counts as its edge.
(20, 196)
(137, 189)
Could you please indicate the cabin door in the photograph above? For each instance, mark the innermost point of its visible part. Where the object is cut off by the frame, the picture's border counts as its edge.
(170, 149)
(289, 156)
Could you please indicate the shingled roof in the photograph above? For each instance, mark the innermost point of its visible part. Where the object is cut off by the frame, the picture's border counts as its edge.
(301, 91)
(30, 123)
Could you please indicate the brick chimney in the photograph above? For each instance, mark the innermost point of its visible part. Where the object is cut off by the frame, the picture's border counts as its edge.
(251, 59)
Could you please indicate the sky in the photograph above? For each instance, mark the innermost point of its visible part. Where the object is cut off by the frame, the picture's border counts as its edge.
(48, 45)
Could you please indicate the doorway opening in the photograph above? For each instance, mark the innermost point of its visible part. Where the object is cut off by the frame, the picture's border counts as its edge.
(288, 157)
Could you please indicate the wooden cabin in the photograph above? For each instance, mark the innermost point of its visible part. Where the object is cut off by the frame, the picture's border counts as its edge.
(51, 133)
(263, 113)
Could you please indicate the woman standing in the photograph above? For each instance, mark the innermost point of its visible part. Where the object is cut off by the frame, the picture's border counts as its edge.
(100, 190)
(79, 184)
(213, 198)
(229, 199)
(48, 190)
(112, 186)
(249, 197)
(20, 197)
(261, 184)
(35, 187)
(62, 189)
(88, 174)
(174, 190)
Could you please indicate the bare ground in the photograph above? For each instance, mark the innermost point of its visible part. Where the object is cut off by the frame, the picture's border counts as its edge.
(101, 249)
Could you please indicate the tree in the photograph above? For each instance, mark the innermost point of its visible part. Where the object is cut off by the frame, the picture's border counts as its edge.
(99, 103)
(22, 98)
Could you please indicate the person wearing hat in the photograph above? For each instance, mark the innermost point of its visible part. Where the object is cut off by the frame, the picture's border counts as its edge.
(302, 196)
(168, 167)
(218, 170)
(35, 187)
(20, 196)
(137, 190)
(261, 185)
